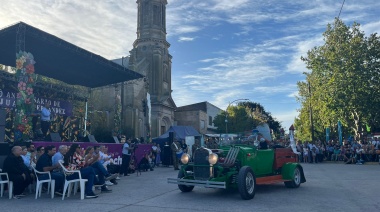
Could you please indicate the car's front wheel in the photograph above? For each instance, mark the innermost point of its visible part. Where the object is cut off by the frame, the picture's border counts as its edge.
(246, 183)
(184, 188)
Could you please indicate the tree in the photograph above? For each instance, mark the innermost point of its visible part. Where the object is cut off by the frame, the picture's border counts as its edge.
(245, 117)
(344, 80)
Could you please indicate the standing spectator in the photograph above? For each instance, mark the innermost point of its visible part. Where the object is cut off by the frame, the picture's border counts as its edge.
(44, 164)
(314, 152)
(158, 157)
(17, 171)
(176, 149)
(152, 160)
(305, 153)
(330, 150)
(184, 146)
(45, 119)
(126, 158)
(320, 153)
(154, 150)
(376, 143)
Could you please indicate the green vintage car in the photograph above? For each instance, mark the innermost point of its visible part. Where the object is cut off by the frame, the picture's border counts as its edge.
(239, 166)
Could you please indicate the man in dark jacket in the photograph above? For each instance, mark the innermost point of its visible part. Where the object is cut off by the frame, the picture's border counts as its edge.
(18, 173)
(44, 164)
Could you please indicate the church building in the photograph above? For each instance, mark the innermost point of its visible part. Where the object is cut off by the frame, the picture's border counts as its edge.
(147, 104)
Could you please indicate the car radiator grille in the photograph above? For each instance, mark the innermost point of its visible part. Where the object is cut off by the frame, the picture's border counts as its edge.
(201, 158)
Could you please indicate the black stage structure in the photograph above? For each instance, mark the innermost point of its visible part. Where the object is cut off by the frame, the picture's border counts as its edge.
(59, 59)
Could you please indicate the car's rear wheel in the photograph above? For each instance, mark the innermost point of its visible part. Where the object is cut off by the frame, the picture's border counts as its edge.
(296, 182)
(184, 188)
(246, 183)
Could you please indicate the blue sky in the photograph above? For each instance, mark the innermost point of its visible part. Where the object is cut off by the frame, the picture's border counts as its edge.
(222, 50)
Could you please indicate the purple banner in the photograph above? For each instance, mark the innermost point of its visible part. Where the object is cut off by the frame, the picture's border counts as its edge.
(8, 100)
(114, 149)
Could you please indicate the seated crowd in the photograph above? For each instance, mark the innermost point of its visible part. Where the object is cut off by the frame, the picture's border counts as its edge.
(349, 152)
(94, 165)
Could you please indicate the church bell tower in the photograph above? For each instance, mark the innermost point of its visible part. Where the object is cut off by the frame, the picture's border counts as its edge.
(150, 57)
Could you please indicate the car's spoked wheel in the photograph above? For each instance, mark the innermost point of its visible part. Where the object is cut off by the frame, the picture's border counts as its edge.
(250, 183)
(246, 183)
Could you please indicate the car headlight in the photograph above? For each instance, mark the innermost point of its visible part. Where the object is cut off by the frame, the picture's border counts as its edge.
(185, 158)
(213, 158)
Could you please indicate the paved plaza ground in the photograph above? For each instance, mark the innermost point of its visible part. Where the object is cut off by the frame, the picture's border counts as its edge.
(329, 187)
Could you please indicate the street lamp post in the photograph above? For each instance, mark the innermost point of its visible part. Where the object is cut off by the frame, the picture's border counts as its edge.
(227, 110)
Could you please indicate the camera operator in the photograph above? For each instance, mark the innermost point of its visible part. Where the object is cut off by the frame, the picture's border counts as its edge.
(127, 149)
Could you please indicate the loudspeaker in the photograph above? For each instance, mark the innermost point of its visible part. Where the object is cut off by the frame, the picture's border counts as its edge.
(5, 149)
(171, 137)
(3, 114)
(91, 138)
(2, 134)
(55, 137)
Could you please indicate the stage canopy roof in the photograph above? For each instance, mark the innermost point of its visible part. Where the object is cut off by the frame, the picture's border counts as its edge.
(61, 60)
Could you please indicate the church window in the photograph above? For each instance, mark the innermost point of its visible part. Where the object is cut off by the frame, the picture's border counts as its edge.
(156, 15)
(210, 120)
(163, 16)
(146, 13)
(203, 126)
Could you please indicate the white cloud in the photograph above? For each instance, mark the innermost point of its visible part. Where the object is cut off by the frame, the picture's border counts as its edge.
(106, 28)
(296, 65)
(372, 27)
(286, 117)
(184, 39)
(284, 88)
(294, 94)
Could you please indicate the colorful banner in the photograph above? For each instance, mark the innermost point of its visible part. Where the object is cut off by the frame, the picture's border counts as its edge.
(115, 149)
(65, 108)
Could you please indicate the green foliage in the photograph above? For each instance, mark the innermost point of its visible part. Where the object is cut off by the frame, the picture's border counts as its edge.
(344, 81)
(245, 117)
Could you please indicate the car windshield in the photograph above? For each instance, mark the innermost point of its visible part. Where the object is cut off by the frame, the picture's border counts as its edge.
(231, 139)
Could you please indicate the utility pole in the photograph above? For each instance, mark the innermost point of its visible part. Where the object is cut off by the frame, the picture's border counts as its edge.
(311, 113)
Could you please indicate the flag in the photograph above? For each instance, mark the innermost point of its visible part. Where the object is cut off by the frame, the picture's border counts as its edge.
(327, 134)
(368, 128)
(340, 132)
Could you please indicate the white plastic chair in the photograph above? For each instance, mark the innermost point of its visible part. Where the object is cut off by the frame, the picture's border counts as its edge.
(50, 182)
(6, 181)
(69, 183)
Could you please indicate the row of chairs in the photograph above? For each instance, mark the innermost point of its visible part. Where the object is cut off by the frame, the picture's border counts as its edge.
(51, 183)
